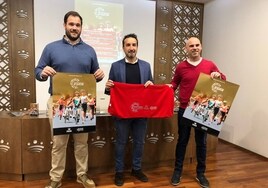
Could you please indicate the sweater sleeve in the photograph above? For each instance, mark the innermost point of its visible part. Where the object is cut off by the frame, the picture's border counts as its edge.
(176, 79)
(42, 63)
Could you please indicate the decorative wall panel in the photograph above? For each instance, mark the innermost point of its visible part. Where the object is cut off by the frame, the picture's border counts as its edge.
(17, 82)
(187, 22)
(175, 22)
(5, 74)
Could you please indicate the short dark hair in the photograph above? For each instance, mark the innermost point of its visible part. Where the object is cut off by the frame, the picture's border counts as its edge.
(131, 35)
(72, 13)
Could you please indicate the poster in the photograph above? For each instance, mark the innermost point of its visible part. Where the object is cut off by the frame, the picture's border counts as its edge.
(103, 26)
(210, 103)
(74, 103)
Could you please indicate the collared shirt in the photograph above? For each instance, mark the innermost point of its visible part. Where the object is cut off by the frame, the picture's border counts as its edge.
(127, 61)
(71, 42)
(194, 63)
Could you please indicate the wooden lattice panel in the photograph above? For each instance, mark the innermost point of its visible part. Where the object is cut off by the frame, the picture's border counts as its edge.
(5, 96)
(175, 22)
(17, 82)
(187, 22)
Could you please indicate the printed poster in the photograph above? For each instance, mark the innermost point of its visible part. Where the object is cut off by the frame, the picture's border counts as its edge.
(103, 26)
(74, 103)
(210, 103)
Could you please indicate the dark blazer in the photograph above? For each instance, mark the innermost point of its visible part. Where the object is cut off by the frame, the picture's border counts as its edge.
(118, 72)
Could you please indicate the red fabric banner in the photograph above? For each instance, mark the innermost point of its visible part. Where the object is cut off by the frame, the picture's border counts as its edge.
(137, 101)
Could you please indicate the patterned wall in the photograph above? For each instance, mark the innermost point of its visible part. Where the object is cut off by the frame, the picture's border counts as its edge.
(175, 22)
(187, 22)
(17, 82)
(5, 89)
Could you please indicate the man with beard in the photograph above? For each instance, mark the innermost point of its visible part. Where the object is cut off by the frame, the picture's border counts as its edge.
(185, 78)
(129, 70)
(70, 55)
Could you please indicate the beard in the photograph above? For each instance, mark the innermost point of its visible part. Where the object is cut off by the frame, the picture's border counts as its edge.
(131, 54)
(72, 37)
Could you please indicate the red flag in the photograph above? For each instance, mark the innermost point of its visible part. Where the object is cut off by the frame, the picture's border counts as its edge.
(137, 101)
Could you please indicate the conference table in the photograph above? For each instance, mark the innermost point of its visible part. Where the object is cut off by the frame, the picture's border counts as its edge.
(25, 146)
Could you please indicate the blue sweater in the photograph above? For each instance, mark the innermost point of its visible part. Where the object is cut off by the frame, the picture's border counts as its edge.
(64, 57)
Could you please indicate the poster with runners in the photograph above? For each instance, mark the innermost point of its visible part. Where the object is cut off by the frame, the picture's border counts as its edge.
(210, 103)
(74, 102)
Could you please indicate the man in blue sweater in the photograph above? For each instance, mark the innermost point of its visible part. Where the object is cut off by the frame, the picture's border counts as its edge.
(70, 55)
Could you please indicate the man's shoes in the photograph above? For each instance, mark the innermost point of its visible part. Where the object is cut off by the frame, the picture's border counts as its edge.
(119, 178)
(139, 175)
(202, 180)
(87, 183)
(176, 178)
(53, 184)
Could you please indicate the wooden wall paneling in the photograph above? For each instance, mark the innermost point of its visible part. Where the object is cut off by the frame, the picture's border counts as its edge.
(10, 148)
(5, 66)
(160, 141)
(36, 147)
(176, 21)
(21, 46)
(25, 147)
(163, 42)
(102, 145)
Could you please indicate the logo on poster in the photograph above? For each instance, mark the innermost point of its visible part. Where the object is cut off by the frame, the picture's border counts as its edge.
(80, 129)
(217, 87)
(75, 83)
(194, 124)
(100, 13)
(69, 130)
(204, 128)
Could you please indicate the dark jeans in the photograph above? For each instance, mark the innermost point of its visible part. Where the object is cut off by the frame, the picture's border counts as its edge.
(123, 127)
(184, 131)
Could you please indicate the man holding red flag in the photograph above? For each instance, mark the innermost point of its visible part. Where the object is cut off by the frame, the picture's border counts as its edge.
(129, 70)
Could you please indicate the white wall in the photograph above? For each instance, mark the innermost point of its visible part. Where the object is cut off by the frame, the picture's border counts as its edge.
(48, 27)
(139, 18)
(235, 37)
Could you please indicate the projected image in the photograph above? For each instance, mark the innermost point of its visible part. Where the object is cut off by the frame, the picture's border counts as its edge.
(102, 28)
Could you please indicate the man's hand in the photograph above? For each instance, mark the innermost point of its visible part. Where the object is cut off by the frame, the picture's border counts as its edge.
(109, 84)
(99, 74)
(47, 71)
(149, 82)
(170, 85)
(215, 75)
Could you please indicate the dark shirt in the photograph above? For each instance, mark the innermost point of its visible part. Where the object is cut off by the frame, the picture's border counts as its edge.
(133, 73)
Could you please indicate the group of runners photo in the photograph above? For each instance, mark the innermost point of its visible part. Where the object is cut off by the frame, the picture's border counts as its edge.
(213, 109)
(76, 108)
